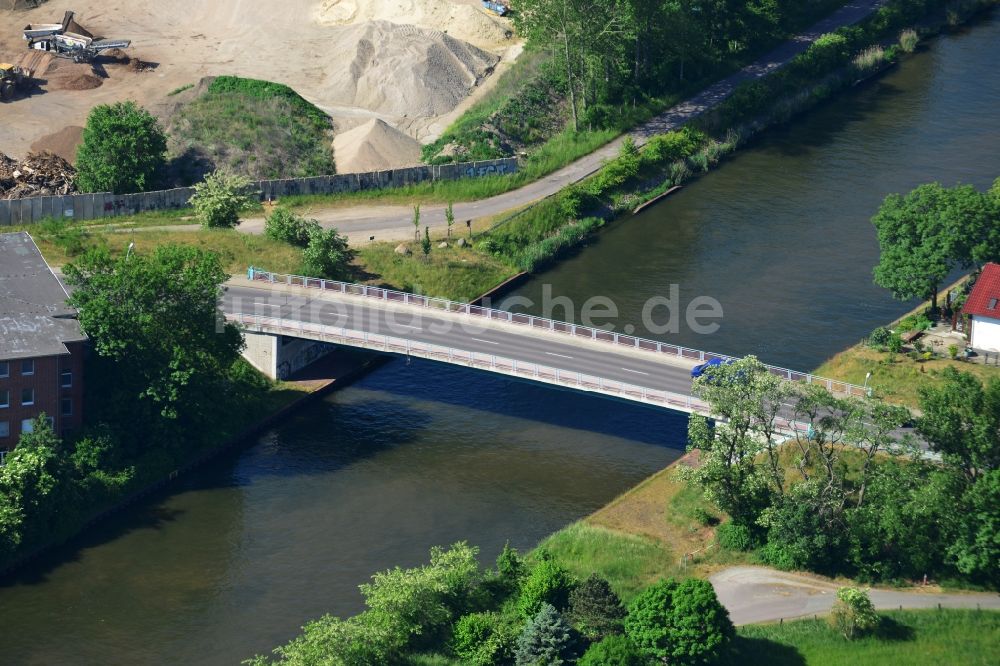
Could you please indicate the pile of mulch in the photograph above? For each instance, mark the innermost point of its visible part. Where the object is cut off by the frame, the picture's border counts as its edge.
(82, 82)
(38, 174)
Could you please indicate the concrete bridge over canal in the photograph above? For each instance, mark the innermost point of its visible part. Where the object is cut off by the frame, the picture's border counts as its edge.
(284, 316)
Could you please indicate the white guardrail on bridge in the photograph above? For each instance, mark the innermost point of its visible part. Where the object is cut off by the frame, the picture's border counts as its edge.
(541, 323)
(483, 361)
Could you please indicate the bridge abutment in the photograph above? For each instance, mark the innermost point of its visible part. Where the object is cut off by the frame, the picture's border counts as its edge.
(279, 356)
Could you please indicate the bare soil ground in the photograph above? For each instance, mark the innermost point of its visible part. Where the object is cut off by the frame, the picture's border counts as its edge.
(407, 62)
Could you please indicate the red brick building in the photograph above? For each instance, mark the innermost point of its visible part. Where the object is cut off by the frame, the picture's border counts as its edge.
(41, 344)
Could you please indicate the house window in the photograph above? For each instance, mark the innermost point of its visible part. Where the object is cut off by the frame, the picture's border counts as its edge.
(4, 398)
(4, 429)
(66, 406)
(27, 425)
(992, 304)
(4, 368)
(27, 397)
(28, 366)
(66, 379)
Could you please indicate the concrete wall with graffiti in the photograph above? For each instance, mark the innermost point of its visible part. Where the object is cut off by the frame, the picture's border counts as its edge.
(93, 206)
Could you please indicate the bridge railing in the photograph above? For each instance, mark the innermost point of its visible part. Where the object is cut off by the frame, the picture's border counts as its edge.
(482, 361)
(541, 323)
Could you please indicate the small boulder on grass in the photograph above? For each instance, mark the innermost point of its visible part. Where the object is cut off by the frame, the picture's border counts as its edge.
(403, 249)
(462, 242)
(442, 245)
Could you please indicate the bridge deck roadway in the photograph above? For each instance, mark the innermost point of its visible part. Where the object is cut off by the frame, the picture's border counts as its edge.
(461, 331)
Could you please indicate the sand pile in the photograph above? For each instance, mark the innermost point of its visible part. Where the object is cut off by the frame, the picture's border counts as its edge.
(374, 146)
(402, 70)
(462, 19)
(62, 143)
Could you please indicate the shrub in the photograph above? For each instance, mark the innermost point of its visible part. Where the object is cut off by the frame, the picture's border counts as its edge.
(284, 225)
(327, 255)
(869, 59)
(546, 639)
(853, 614)
(595, 609)
(908, 40)
(483, 639)
(510, 567)
(953, 351)
(895, 344)
(678, 623)
(879, 338)
(546, 583)
(123, 149)
(733, 536)
(614, 650)
(219, 199)
(807, 529)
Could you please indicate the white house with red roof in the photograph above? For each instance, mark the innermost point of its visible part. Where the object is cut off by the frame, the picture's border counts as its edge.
(983, 308)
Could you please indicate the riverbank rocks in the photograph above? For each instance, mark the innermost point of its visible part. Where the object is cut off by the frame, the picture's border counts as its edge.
(403, 250)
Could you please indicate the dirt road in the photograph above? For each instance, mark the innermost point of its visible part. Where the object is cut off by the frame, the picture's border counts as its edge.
(758, 594)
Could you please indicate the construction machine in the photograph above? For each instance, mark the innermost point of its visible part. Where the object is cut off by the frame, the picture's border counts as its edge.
(12, 80)
(69, 40)
(498, 7)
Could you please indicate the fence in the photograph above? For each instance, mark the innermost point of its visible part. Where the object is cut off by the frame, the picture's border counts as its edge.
(104, 204)
(540, 323)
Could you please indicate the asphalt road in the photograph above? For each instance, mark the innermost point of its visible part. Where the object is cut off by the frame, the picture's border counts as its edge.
(469, 333)
(759, 594)
(395, 222)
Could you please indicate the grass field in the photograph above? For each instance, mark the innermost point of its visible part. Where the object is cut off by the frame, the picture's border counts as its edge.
(906, 638)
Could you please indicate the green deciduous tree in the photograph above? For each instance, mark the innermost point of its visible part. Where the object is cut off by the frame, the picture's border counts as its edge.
(162, 349)
(976, 548)
(547, 640)
(122, 151)
(926, 234)
(484, 639)
(853, 614)
(614, 650)
(220, 198)
(678, 622)
(32, 484)
(961, 421)
(546, 583)
(327, 255)
(747, 398)
(595, 609)
(285, 226)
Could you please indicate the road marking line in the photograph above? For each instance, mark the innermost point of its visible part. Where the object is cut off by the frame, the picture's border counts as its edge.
(416, 328)
(266, 305)
(489, 342)
(559, 355)
(638, 372)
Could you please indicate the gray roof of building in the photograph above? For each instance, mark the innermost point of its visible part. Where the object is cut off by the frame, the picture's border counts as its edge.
(34, 317)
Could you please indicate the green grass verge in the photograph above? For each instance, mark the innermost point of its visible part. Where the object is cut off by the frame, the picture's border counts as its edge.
(913, 638)
(629, 562)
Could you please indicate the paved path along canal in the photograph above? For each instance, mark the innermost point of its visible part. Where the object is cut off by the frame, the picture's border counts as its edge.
(239, 556)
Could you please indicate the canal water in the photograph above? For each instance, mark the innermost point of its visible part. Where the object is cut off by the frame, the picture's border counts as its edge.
(233, 560)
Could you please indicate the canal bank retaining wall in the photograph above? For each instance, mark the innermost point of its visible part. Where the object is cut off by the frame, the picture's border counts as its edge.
(104, 204)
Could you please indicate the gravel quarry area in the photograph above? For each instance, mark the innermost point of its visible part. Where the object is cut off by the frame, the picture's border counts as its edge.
(407, 63)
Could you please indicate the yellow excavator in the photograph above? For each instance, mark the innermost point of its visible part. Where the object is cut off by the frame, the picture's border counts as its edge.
(13, 79)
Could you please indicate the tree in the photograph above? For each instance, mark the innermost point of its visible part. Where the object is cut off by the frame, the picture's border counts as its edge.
(547, 639)
(807, 528)
(162, 349)
(853, 614)
(595, 609)
(546, 583)
(122, 151)
(416, 223)
(748, 399)
(961, 421)
(976, 550)
(483, 639)
(425, 245)
(285, 226)
(31, 482)
(926, 234)
(219, 199)
(510, 568)
(614, 650)
(327, 255)
(678, 622)
(449, 217)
